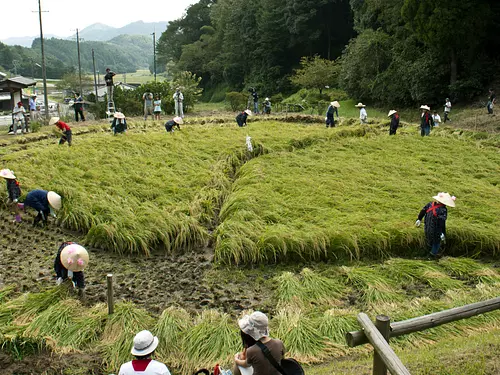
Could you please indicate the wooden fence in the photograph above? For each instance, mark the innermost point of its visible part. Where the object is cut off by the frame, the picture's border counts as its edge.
(378, 334)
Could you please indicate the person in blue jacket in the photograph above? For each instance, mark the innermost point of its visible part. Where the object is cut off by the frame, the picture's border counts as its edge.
(43, 201)
(330, 112)
(241, 119)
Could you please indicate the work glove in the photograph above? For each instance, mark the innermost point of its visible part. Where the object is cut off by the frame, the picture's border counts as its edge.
(15, 201)
(443, 238)
(326, 118)
(59, 281)
(417, 223)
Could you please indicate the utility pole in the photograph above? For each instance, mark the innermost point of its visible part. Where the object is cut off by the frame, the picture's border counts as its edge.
(95, 79)
(44, 69)
(79, 63)
(154, 53)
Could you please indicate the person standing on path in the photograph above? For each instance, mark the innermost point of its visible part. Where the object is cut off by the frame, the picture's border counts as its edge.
(394, 115)
(363, 116)
(178, 102)
(147, 97)
(18, 114)
(67, 135)
(447, 110)
(43, 202)
(108, 78)
(157, 108)
(425, 121)
(492, 99)
(32, 104)
(435, 214)
(143, 350)
(14, 192)
(78, 105)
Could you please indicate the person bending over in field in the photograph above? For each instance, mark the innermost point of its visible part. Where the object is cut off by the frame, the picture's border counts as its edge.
(176, 121)
(435, 214)
(71, 259)
(66, 130)
(241, 119)
(43, 202)
(143, 349)
(13, 190)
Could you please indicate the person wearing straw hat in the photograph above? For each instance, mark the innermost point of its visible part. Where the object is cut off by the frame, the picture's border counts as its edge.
(70, 261)
(330, 113)
(43, 202)
(143, 349)
(267, 106)
(119, 124)
(425, 121)
(13, 190)
(176, 121)
(394, 121)
(66, 130)
(241, 119)
(363, 116)
(254, 328)
(435, 214)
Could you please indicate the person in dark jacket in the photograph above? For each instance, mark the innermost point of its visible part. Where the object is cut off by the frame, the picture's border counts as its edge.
(176, 121)
(13, 190)
(119, 124)
(71, 259)
(435, 214)
(241, 119)
(394, 121)
(67, 135)
(43, 202)
(330, 112)
(78, 105)
(110, 86)
(426, 122)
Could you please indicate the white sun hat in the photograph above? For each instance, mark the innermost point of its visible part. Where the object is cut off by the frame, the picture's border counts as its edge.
(144, 343)
(391, 112)
(8, 174)
(445, 199)
(54, 200)
(256, 325)
(119, 115)
(267, 99)
(336, 104)
(248, 112)
(178, 120)
(74, 257)
(360, 105)
(425, 107)
(53, 120)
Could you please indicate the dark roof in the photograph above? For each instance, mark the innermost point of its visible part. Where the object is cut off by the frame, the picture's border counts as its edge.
(22, 80)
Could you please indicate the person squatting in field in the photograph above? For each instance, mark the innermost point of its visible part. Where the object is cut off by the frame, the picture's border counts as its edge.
(71, 259)
(176, 121)
(394, 121)
(66, 130)
(43, 202)
(119, 124)
(241, 119)
(13, 190)
(435, 214)
(330, 112)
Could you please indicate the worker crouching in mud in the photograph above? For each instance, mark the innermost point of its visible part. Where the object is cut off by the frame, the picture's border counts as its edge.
(70, 261)
(44, 202)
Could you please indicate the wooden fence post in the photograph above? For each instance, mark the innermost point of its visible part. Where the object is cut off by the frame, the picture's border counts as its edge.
(111, 306)
(383, 324)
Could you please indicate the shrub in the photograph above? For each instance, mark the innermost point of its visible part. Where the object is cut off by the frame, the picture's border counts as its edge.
(236, 100)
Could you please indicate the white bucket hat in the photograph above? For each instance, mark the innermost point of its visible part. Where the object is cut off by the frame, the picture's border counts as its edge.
(53, 120)
(248, 112)
(54, 200)
(8, 174)
(391, 112)
(178, 120)
(144, 343)
(256, 325)
(74, 257)
(445, 199)
(360, 105)
(425, 107)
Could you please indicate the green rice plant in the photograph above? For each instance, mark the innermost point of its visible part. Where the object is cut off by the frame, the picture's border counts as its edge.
(213, 339)
(470, 269)
(335, 323)
(300, 335)
(319, 288)
(289, 288)
(86, 329)
(119, 331)
(170, 328)
(19, 347)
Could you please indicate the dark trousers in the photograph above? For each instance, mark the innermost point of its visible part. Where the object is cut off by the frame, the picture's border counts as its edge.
(42, 216)
(425, 130)
(330, 122)
(392, 130)
(67, 136)
(446, 118)
(79, 111)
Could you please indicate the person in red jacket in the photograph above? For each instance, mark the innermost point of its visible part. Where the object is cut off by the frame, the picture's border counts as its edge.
(66, 130)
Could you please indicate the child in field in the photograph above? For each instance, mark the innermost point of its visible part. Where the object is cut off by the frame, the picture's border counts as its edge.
(241, 119)
(66, 130)
(437, 119)
(43, 202)
(70, 261)
(157, 107)
(176, 121)
(435, 214)
(119, 124)
(394, 122)
(363, 116)
(13, 190)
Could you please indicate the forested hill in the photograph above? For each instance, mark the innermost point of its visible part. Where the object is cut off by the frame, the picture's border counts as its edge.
(391, 51)
(124, 53)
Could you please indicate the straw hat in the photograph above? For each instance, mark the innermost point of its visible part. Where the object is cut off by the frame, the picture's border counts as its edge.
(336, 104)
(53, 120)
(360, 105)
(267, 99)
(119, 115)
(54, 200)
(425, 107)
(144, 343)
(248, 112)
(445, 199)
(178, 120)
(255, 325)
(8, 174)
(74, 257)
(391, 112)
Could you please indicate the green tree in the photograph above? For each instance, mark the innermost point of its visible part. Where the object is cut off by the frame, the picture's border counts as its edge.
(316, 73)
(71, 82)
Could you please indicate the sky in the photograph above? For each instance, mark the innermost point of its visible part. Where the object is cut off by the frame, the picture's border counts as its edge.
(63, 17)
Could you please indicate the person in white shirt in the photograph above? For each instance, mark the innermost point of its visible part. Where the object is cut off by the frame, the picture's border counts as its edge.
(178, 99)
(144, 346)
(447, 110)
(18, 115)
(363, 116)
(437, 119)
